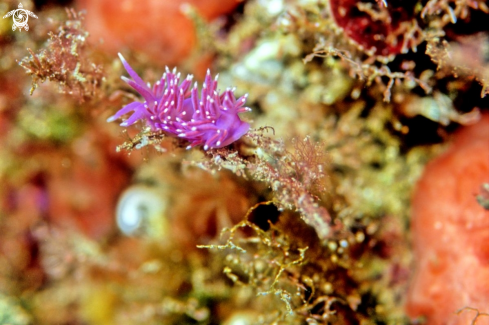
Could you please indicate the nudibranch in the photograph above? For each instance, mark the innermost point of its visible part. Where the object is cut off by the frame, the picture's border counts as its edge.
(175, 107)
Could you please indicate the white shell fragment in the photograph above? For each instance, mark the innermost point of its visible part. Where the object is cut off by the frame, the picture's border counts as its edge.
(141, 211)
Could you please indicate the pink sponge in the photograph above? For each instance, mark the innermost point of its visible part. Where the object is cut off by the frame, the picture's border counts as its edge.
(450, 233)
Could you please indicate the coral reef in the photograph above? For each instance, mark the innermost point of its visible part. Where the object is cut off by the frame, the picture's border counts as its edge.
(295, 212)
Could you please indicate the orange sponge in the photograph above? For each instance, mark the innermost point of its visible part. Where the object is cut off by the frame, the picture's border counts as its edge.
(450, 233)
(156, 27)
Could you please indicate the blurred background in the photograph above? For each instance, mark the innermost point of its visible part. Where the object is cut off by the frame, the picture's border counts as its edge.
(96, 228)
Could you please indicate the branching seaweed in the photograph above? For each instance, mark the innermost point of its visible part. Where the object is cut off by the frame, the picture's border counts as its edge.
(292, 176)
(295, 177)
(65, 61)
(368, 72)
(274, 270)
(452, 57)
(292, 286)
(450, 14)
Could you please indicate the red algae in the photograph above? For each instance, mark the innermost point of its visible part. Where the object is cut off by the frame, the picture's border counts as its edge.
(450, 232)
(379, 29)
(157, 28)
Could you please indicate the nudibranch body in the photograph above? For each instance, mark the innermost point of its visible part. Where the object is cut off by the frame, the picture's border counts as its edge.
(175, 107)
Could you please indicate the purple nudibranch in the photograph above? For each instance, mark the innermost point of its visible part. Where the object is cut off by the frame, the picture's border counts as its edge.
(210, 120)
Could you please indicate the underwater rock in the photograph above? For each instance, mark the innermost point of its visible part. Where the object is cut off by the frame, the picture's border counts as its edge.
(450, 232)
